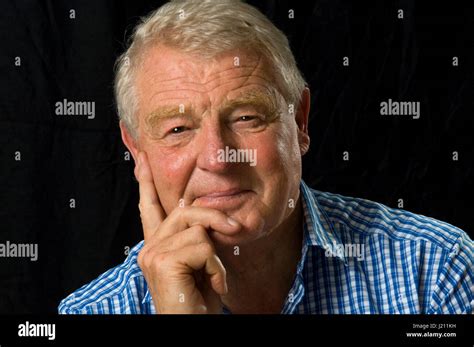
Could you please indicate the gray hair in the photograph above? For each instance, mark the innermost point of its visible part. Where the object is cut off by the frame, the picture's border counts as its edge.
(207, 28)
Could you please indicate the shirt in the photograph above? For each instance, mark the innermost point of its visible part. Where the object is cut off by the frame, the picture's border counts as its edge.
(357, 257)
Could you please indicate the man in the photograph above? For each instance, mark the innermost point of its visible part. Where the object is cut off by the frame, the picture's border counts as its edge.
(215, 114)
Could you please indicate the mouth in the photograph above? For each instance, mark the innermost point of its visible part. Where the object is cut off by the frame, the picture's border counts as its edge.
(231, 198)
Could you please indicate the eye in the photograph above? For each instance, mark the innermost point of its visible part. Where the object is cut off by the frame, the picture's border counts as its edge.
(177, 130)
(247, 118)
(249, 122)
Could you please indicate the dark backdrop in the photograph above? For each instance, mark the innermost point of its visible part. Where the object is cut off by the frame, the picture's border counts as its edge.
(72, 157)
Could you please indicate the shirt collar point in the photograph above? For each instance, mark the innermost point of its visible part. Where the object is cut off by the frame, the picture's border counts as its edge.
(147, 297)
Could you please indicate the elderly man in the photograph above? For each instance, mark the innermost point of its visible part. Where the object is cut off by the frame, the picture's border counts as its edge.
(215, 113)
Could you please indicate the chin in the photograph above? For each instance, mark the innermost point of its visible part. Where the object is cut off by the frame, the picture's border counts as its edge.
(242, 238)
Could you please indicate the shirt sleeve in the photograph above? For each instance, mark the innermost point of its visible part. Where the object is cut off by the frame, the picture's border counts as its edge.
(453, 293)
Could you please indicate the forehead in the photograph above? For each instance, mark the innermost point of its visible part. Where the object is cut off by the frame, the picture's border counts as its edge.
(168, 75)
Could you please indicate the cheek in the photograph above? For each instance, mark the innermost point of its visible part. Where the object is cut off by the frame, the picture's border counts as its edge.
(170, 173)
(275, 152)
(279, 169)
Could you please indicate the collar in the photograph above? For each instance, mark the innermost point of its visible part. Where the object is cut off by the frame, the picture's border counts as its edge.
(319, 231)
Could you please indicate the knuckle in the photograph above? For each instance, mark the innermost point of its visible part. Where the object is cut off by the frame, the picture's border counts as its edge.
(142, 257)
(149, 258)
(206, 249)
(181, 213)
(159, 262)
(200, 232)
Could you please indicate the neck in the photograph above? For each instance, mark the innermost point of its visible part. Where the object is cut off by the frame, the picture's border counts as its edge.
(260, 277)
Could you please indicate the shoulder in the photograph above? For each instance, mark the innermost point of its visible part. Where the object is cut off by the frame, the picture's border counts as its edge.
(118, 290)
(432, 260)
(369, 219)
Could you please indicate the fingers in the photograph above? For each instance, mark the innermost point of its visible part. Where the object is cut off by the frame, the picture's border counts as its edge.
(203, 257)
(188, 269)
(153, 216)
(193, 235)
(193, 249)
(185, 217)
(177, 246)
(151, 211)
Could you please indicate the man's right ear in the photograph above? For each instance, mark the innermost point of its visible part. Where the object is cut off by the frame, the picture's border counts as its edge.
(129, 141)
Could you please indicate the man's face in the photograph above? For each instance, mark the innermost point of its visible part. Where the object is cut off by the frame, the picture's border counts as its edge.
(190, 108)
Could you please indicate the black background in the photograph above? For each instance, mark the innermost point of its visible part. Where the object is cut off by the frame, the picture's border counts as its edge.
(72, 157)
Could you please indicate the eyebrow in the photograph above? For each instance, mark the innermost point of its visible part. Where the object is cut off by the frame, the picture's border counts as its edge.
(262, 101)
(165, 112)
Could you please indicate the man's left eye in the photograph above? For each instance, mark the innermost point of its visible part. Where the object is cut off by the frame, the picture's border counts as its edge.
(177, 130)
(249, 122)
(247, 118)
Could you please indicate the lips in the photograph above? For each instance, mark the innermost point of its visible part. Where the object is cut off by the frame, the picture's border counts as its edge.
(222, 199)
(222, 193)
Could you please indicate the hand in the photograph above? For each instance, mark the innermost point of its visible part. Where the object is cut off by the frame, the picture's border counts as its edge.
(179, 261)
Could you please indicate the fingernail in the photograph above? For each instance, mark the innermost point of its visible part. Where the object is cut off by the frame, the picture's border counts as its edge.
(232, 222)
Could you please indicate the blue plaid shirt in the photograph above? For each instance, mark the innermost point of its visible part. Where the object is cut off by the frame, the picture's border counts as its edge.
(358, 256)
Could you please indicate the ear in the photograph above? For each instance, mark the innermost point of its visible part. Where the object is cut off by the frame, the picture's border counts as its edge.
(129, 141)
(301, 118)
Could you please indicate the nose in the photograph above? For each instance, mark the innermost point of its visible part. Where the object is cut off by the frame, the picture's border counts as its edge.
(212, 138)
